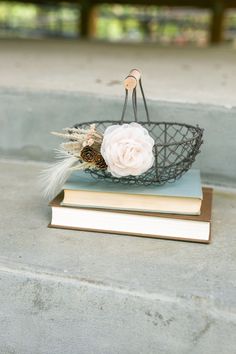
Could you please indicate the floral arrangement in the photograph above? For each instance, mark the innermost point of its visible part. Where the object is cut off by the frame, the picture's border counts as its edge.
(122, 150)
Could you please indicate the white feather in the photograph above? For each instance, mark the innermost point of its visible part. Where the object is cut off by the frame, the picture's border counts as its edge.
(54, 176)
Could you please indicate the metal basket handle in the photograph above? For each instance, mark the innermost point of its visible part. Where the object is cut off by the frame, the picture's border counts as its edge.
(130, 83)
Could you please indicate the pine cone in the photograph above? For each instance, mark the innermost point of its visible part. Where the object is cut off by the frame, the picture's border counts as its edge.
(100, 162)
(88, 154)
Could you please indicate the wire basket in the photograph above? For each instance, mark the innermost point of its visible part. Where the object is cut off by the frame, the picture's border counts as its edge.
(176, 144)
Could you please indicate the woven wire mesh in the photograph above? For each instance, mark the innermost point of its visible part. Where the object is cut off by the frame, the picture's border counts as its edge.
(175, 149)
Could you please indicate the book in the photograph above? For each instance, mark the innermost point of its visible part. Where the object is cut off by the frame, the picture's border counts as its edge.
(195, 228)
(184, 196)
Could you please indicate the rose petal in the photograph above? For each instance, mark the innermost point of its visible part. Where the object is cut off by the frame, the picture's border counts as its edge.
(127, 149)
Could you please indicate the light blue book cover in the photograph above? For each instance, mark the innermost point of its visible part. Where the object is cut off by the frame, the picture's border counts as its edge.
(189, 186)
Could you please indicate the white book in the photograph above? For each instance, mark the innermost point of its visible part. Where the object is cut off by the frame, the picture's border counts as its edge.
(171, 226)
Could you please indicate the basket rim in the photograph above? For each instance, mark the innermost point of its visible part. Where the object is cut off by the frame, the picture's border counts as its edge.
(199, 131)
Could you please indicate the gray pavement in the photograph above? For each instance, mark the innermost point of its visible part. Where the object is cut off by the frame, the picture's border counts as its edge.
(85, 293)
(187, 75)
(82, 293)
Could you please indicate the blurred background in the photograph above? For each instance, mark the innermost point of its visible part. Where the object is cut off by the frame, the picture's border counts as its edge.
(183, 23)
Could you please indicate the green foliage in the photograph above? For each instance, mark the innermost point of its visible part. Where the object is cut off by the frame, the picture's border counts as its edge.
(114, 22)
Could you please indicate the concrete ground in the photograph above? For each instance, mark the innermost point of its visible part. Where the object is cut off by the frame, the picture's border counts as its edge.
(85, 293)
(189, 75)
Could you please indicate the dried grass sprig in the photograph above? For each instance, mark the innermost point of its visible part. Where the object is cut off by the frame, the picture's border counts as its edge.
(69, 154)
(83, 166)
(72, 147)
(82, 136)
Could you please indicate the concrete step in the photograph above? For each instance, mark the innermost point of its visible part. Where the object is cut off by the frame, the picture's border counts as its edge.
(47, 85)
(187, 75)
(28, 118)
(80, 292)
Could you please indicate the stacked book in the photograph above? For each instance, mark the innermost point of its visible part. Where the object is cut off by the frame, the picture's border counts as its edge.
(179, 210)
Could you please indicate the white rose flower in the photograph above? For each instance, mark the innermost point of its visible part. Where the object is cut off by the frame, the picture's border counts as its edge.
(127, 149)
